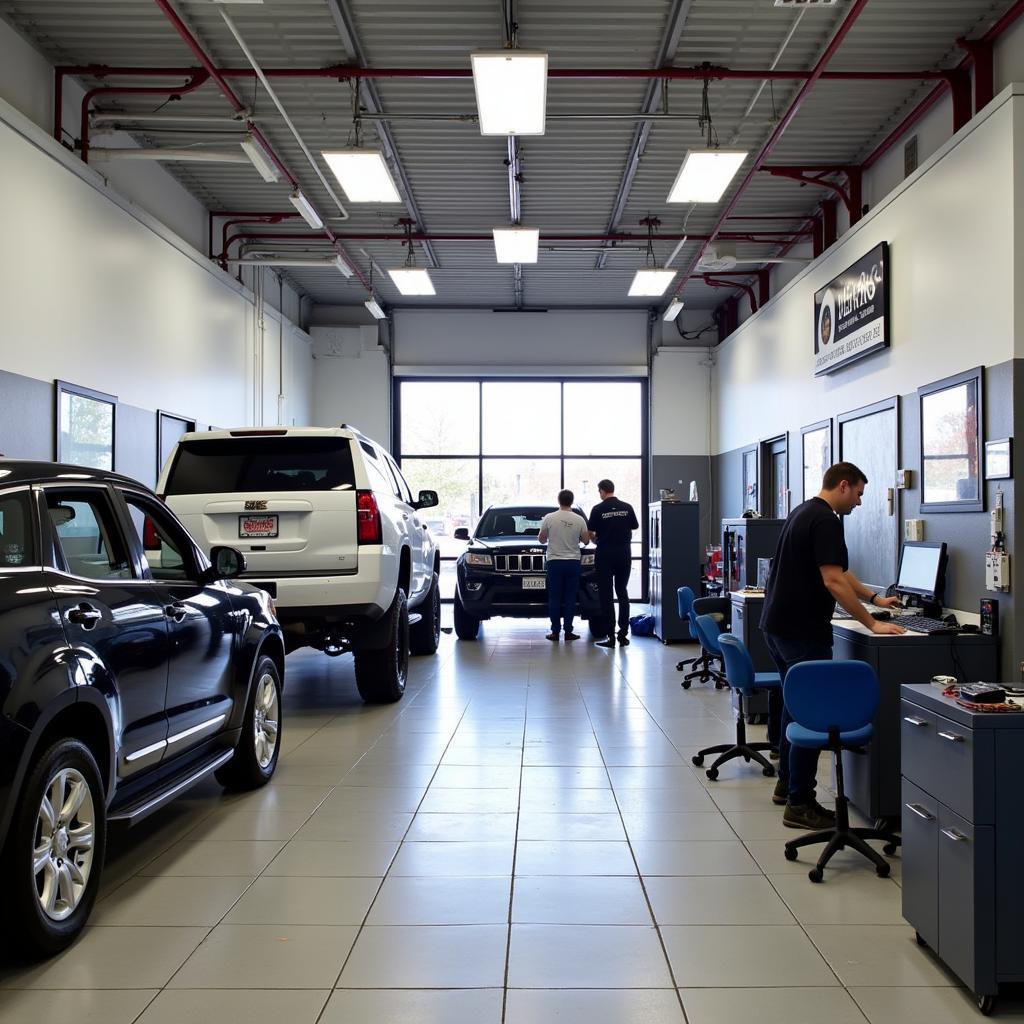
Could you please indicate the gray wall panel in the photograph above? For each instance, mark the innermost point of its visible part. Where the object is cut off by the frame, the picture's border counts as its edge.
(26, 417)
(669, 470)
(136, 443)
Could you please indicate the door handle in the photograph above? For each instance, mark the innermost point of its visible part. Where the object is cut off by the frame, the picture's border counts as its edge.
(85, 616)
(919, 722)
(954, 834)
(175, 611)
(920, 812)
(952, 737)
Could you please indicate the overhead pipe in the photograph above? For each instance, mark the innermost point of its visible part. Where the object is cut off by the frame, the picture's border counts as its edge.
(177, 154)
(765, 151)
(270, 218)
(712, 283)
(239, 108)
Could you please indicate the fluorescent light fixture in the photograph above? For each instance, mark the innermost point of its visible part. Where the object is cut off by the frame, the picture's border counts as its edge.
(305, 208)
(511, 91)
(672, 310)
(340, 263)
(412, 281)
(363, 174)
(375, 308)
(651, 282)
(705, 175)
(516, 245)
(261, 159)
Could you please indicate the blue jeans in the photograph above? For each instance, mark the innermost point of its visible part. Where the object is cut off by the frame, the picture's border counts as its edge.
(798, 766)
(563, 582)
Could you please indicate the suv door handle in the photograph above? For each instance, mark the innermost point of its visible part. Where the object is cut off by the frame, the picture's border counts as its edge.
(175, 611)
(85, 616)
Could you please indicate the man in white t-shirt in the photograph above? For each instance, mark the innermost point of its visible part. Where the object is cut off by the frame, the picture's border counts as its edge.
(563, 532)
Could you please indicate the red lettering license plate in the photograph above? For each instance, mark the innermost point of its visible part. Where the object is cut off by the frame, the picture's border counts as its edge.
(257, 526)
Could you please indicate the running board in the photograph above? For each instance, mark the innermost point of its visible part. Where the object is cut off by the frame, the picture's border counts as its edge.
(146, 803)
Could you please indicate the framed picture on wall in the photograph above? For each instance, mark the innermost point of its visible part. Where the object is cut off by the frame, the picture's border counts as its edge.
(816, 440)
(85, 426)
(999, 459)
(169, 428)
(951, 426)
(750, 479)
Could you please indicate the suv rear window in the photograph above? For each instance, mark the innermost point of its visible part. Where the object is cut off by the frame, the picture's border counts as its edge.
(262, 464)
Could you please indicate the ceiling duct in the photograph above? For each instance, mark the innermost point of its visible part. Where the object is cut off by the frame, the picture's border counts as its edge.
(718, 255)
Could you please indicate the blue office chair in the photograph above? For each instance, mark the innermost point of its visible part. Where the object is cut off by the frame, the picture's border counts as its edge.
(710, 665)
(684, 605)
(740, 674)
(832, 704)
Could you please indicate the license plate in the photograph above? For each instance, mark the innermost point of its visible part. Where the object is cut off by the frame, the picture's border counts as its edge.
(257, 526)
(534, 583)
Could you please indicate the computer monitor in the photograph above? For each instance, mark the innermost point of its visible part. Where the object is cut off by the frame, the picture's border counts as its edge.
(923, 570)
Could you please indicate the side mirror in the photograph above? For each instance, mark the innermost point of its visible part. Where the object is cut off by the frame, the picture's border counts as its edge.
(428, 499)
(462, 533)
(226, 564)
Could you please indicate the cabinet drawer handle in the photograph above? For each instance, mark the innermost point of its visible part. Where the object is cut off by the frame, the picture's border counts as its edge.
(952, 737)
(920, 812)
(919, 722)
(952, 833)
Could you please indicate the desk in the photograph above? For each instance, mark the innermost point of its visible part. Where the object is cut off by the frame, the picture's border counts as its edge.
(873, 780)
(746, 624)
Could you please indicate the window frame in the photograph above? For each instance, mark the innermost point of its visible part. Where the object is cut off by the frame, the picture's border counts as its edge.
(194, 565)
(53, 541)
(63, 387)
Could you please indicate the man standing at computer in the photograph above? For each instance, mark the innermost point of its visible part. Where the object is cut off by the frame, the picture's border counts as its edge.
(810, 573)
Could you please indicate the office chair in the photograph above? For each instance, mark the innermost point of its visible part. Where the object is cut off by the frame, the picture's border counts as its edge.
(709, 665)
(740, 674)
(684, 605)
(832, 704)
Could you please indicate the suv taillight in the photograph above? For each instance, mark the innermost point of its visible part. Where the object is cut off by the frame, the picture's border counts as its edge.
(367, 518)
(150, 538)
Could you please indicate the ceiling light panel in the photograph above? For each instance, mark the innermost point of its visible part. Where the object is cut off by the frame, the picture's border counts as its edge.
(412, 281)
(516, 245)
(363, 174)
(261, 158)
(705, 175)
(650, 282)
(674, 308)
(375, 309)
(511, 91)
(306, 210)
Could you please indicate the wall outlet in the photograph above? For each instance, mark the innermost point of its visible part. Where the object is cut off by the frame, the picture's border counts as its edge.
(913, 529)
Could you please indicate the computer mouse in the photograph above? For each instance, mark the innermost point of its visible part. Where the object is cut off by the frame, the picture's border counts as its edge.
(881, 616)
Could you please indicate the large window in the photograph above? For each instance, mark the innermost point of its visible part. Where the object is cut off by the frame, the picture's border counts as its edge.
(482, 442)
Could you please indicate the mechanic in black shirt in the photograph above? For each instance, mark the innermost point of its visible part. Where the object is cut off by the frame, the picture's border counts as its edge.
(612, 523)
(810, 572)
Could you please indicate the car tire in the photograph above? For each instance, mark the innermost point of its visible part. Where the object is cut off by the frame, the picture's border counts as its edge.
(259, 745)
(426, 634)
(381, 674)
(49, 907)
(467, 627)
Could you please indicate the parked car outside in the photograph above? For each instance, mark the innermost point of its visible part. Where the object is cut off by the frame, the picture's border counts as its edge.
(503, 571)
(330, 528)
(131, 668)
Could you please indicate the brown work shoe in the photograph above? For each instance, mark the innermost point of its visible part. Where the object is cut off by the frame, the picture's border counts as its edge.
(551, 636)
(810, 816)
(780, 795)
(572, 636)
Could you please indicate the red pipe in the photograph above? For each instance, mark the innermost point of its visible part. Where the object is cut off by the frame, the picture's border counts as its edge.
(198, 78)
(762, 155)
(270, 218)
(708, 280)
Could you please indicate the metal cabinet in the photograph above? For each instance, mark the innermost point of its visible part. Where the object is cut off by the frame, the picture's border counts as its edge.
(674, 562)
(962, 834)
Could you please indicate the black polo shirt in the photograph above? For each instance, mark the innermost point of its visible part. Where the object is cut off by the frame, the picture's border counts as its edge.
(614, 522)
(797, 604)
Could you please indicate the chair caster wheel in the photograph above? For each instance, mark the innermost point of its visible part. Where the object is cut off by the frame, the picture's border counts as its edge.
(790, 853)
(719, 686)
(815, 874)
(686, 684)
(986, 1004)
(882, 870)
(712, 774)
(746, 759)
(889, 849)
(768, 772)
(920, 941)
(697, 759)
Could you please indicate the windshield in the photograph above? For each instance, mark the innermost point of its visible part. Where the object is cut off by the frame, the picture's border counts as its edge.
(517, 521)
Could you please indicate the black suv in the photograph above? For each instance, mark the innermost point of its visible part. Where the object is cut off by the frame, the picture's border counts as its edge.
(503, 571)
(130, 669)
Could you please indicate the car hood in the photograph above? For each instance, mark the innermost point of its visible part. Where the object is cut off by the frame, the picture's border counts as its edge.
(520, 544)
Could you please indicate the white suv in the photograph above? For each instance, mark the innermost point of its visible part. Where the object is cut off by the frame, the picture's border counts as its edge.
(330, 528)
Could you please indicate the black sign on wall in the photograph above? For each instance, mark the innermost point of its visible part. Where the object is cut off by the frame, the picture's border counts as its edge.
(851, 313)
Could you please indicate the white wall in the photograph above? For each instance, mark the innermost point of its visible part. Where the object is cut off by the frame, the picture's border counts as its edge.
(951, 232)
(95, 292)
(351, 381)
(681, 402)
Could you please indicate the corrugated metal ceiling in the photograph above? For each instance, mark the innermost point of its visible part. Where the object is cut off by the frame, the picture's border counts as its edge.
(572, 174)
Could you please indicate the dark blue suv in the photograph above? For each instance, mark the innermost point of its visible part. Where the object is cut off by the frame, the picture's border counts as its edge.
(130, 669)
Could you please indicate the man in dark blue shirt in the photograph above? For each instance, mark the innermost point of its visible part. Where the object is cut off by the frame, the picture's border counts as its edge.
(810, 572)
(612, 523)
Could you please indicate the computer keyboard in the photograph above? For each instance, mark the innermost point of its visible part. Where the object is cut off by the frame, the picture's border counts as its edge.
(922, 624)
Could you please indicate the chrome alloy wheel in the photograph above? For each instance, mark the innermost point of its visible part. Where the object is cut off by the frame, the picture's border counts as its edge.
(266, 720)
(62, 852)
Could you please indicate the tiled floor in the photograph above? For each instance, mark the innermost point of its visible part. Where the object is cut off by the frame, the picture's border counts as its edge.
(522, 839)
